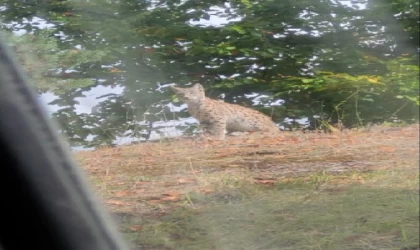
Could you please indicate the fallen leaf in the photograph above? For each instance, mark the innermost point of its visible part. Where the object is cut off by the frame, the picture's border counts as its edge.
(221, 155)
(305, 149)
(169, 184)
(117, 203)
(123, 193)
(170, 196)
(266, 181)
(205, 190)
(151, 198)
(387, 149)
(233, 165)
(136, 228)
(186, 180)
(138, 183)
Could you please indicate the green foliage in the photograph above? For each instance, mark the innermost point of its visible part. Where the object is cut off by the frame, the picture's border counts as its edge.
(403, 79)
(360, 86)
(358, 99)
(322, 58)
(46, 63)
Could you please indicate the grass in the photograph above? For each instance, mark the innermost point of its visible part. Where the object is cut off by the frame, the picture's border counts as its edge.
(353, 190)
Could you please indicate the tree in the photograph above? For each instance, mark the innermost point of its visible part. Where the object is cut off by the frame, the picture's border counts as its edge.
(324, 59)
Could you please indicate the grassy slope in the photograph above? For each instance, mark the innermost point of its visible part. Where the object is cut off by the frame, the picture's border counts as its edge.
(353, 190)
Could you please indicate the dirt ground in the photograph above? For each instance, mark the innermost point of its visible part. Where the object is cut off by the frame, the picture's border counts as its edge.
(153, 179)
(151, 170)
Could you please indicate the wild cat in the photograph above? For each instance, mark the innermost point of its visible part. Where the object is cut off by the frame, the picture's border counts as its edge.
(219, 117)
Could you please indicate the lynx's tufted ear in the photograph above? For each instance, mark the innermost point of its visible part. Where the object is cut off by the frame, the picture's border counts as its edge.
(199, 90)
(198, 87)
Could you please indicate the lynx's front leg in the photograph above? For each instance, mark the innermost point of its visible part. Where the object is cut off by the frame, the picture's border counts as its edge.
(216, 129)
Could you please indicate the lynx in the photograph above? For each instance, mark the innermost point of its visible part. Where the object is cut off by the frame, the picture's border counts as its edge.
(219, 117)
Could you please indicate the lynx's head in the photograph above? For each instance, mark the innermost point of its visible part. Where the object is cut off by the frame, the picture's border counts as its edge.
(190, 95)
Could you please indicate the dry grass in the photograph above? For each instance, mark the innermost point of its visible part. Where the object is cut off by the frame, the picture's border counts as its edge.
(351, 190)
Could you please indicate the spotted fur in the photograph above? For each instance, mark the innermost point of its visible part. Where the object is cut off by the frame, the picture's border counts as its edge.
(219, 117)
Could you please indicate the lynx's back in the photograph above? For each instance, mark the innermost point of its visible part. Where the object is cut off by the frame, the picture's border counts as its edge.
(219, 116)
